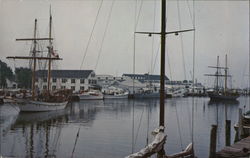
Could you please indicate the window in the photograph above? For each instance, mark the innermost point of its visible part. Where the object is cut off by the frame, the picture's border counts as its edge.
(54, 80)
(82, 88)
(94, 82)
(114, 78)
(81, 80)
(89, 81)
(73, 88)
(53, 87)
(44, 79)
(44, 87)
(107, 78)
(73, 80)
(98, 78)
(64, 80)
(63, 87)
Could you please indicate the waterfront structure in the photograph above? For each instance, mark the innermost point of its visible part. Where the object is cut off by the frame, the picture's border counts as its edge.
(66, 79)
(145, 77)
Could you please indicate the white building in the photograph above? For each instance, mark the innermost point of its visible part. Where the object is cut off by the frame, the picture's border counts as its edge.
(66, 79)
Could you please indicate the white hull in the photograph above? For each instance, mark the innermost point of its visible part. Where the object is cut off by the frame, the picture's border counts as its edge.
(121, 96)
(90, 97)
(38, 106)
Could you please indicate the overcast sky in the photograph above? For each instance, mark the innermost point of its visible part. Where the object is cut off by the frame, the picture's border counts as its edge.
(222, 27)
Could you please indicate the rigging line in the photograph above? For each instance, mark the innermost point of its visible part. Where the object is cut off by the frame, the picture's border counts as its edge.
(147, 124)
(193, 72)
(190, 12)
(181, 38)
(133, 125)
(178, 125)
(133, 120)
(139, 14)
(91, 34)
(139, 126)
(153, 38)
(105, 32)
(77, 136)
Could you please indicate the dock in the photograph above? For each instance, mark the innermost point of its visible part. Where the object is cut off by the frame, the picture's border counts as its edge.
(240, 149)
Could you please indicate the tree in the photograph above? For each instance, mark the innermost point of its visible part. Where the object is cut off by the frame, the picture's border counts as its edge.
(23, 77)
(5, 73)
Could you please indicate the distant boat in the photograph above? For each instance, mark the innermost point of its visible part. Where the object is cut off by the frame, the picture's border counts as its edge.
(45, 101)
(222, 93)
(91, 95)
(146, 93)
(115, 93)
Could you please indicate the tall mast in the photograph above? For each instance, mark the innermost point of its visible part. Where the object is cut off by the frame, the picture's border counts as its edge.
(162, 78)
(49, 51)
(217, 74)
(34, 64)
(225, 89)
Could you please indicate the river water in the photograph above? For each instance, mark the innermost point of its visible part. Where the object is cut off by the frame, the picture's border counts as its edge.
(115, 128)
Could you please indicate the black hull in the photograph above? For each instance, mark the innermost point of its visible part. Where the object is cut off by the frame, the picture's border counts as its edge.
(220, 97)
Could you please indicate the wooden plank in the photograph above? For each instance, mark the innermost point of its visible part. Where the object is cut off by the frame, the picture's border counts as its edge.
(239, 149)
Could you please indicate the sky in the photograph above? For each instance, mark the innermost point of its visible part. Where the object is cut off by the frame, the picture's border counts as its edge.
(221, 27)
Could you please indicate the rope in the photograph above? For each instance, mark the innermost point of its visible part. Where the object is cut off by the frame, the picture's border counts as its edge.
(193, 70)
(77, 136)
(139, 126)
(91, 34)
(179, 128)
(105, 32)
(181, 38)
(139, 14)
(153, 38)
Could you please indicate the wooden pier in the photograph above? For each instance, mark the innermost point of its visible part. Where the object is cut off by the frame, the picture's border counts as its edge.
(240, 149)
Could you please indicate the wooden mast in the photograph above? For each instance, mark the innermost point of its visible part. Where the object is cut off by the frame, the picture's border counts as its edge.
(217, 74)
(225, 88)
(34, 64)
(50, 49)
(162, 78)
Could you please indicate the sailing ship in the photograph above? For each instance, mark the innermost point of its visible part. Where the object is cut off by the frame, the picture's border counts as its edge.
(221, 93)
(157, 145)
(47, 100)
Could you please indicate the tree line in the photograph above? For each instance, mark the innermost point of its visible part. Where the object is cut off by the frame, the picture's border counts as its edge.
(22, 76)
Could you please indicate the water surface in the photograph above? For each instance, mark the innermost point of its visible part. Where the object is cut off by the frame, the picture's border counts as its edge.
(114, 128)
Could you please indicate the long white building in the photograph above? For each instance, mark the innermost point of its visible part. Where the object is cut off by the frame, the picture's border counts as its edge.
(66, 79)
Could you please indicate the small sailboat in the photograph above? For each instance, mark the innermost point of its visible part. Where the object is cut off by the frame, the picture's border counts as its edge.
(224, 93)
(47, 100)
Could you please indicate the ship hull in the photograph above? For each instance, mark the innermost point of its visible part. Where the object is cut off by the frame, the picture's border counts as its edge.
(122, 96)
(90, 97)
(39, 106)
(222, 97)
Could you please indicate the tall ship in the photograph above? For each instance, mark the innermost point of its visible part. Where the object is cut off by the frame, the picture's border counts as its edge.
(46, 100)
(222, 93)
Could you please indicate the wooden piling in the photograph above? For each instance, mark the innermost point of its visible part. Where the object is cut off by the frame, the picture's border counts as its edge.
(228, 132)
(213, 136)
(240, 123)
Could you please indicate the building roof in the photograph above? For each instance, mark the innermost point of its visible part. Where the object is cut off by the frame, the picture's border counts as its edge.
(145, 76)
(65, 73)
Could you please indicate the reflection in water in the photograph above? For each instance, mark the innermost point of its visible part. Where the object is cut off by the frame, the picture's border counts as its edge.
(111, 128)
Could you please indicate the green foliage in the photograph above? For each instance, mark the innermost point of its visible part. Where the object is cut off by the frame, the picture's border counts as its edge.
(5, 73)
(23, 77)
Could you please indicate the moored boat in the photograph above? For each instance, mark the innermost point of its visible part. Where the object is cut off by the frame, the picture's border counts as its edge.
(91, 95)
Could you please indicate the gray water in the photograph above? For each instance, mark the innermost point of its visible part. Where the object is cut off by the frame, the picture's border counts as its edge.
(108, 128)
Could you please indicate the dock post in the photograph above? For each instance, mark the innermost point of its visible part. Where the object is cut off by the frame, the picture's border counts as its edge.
(228, 132)
(240, 124)
(213, 136)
